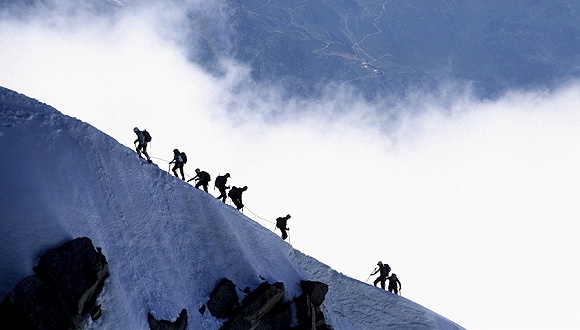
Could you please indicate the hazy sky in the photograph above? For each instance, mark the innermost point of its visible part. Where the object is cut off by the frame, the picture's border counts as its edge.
(465, 199)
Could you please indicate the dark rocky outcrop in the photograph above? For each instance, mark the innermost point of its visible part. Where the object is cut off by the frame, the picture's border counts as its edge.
(34, 305)
(223, 299)
(255, 306)
(265, 309)
(179, 324)
(315, 290)
(63, 290)
(308, 304)
(62, 295)
(76, 270)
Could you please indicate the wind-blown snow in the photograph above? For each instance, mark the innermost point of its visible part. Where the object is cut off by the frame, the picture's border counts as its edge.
(167, 243)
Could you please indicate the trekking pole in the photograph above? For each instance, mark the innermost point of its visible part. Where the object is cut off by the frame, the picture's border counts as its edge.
(374, 270)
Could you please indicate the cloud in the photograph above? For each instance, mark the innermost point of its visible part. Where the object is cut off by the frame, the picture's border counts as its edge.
(466, 199)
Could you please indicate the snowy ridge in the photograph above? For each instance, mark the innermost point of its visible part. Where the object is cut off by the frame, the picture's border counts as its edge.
(167, 243)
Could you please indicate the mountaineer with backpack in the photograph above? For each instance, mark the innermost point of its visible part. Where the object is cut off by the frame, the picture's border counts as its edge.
(143, 137)
(281, 224)
(220, 183)
(383, 271)
(235, 195)
(203, 178)
(393, 281)
(179, 159)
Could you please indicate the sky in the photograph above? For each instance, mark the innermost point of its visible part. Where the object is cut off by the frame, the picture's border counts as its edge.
(166, 252)
(465, 199)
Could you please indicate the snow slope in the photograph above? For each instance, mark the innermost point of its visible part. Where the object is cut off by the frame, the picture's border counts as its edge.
(167, 243)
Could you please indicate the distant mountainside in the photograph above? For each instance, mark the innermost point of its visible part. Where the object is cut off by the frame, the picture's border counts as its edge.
(376, 47)
(385, 46)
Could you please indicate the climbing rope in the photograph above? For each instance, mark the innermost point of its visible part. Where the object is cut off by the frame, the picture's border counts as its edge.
(159, 159)
(169, 164)
(272, 222)
(258, 215)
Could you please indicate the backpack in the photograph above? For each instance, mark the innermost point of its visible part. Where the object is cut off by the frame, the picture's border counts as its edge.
(280, 222)
(147, 136)
(220, 181)
(183, 157)
(386, 268)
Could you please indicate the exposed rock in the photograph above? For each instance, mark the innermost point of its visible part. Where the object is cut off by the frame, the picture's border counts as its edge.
(223, 299)
(67, 282)
(96, 312)
(34, 305)
(179, 324)
(305, 312)
(279, 318)
(316, 290)
(256, 306)
(308, 304)
(76, 271)
(68, 279)
(264, 308)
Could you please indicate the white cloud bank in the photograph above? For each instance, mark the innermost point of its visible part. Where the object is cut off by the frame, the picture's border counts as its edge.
(466, 200)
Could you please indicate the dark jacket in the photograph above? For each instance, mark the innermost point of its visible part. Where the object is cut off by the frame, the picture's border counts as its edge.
(220, 181)
(393, 280)
(384, 270)
(203, 177)
(140, 138)
(236, 193)
(177, 159)
(281, 221)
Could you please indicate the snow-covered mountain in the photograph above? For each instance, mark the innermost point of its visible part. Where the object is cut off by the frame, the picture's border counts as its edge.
(167, 243)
